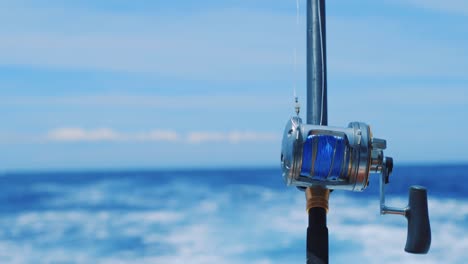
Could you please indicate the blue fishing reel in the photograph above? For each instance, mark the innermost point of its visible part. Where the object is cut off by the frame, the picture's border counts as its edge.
(342, 159)
(332, 157)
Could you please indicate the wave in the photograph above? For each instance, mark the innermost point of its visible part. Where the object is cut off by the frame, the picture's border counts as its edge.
(136, 219)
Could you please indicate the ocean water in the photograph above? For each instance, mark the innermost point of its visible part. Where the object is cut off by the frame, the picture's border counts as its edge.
(217, 216)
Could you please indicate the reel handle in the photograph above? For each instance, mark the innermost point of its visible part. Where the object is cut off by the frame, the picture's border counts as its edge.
(419, 229)
(418, 240)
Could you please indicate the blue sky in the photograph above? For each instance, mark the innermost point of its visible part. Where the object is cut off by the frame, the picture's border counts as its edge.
(157, 84)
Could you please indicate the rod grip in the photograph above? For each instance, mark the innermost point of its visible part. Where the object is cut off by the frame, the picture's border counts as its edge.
(419, 228)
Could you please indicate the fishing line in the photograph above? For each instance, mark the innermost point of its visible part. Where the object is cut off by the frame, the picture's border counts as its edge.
(323, 63)
(295, 77)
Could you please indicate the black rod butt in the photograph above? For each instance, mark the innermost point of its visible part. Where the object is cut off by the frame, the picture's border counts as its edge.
(317, 237)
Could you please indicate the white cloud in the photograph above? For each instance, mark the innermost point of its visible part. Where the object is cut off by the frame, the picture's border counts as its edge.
(78, 134)
(415, 53)
(168, 103)
(214, 52)
(447, 6)
(107, 134)
(156, 135)
(248, 46)
(231, 137)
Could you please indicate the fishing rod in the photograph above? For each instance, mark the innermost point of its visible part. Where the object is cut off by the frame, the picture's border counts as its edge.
(318, 158)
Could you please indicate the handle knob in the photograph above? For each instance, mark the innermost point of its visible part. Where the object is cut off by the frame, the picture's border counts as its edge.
(419, 228)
